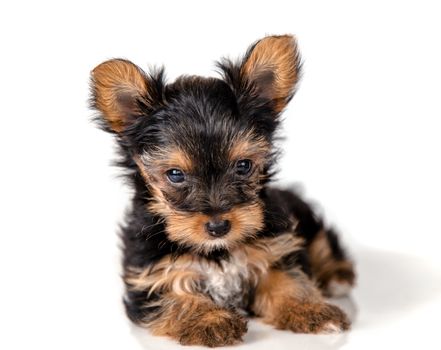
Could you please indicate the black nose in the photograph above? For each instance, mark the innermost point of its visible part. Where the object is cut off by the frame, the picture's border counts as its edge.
(218, 228)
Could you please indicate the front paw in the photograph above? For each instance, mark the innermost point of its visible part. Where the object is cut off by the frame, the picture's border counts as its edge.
(311, 318)
(215, 328)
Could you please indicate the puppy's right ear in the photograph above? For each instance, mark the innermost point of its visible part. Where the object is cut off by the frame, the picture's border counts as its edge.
(122, 92)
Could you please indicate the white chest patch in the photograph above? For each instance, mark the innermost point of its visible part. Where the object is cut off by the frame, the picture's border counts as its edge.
(228, 282)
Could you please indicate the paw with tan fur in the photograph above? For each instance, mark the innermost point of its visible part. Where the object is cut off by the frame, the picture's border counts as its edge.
(339, 281)
(311, 318)
(215, 328)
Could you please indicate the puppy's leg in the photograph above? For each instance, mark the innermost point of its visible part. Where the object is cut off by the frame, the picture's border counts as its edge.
(329, 263)
(194, 320)
(330, 266)
(289, 300)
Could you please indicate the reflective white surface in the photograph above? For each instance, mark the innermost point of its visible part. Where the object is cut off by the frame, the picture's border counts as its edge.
(363, 137)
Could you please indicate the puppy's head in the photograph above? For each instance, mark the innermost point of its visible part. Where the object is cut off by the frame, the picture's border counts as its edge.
(202, 145)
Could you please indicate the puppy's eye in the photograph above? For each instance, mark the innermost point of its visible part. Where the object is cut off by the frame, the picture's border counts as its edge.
(243, 166)
(175, 175)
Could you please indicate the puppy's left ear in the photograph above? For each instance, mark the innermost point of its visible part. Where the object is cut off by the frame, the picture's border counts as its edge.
(270, 70)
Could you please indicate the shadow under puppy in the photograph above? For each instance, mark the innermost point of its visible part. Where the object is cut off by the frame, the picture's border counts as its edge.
(207, 241)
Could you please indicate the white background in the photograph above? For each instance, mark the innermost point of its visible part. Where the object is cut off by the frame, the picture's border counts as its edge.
(363, 139)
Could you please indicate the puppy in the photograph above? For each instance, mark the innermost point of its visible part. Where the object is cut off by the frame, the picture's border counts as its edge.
(207, 242)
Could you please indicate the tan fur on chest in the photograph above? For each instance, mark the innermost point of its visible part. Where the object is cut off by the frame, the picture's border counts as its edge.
(227, 281)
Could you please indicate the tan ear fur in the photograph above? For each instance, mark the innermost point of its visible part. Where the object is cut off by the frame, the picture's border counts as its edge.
(273, 65)
(117, 87)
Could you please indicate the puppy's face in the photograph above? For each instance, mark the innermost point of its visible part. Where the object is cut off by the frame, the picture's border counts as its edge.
(205, 164)
(202, 145)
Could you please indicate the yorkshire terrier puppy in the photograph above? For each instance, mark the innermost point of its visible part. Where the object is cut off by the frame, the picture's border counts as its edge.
(207, 241)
